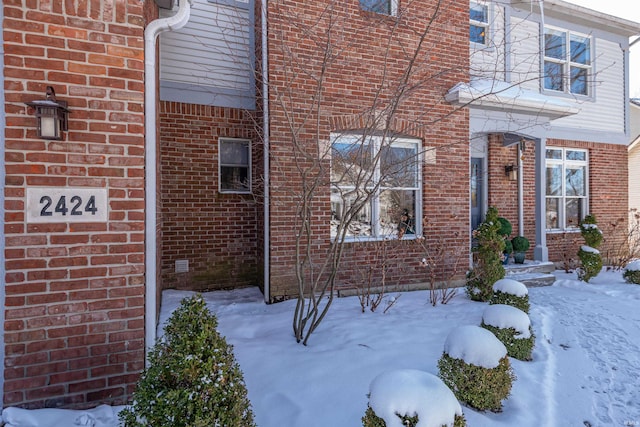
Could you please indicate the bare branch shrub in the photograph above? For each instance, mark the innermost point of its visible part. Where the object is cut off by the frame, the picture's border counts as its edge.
(621, 242)
(442, 263)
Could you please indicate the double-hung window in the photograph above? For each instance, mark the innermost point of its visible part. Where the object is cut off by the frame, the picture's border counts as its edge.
(478, 23)
(386, 7)
(234, 162)
(567, 189)
(375, 186)
(567, 61)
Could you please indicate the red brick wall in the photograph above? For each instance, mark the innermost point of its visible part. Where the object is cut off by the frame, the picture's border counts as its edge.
(359, 80)
(607, 194)
(216, 232)
(74, 325)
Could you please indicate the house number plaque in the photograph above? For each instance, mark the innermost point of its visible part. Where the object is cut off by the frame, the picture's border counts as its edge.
(52, 204)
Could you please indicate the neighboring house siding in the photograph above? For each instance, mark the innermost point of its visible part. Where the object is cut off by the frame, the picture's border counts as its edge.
(216, 233)
(74, 319)
(210, 61)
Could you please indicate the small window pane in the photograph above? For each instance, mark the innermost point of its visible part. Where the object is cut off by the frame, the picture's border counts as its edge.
(378, 6)
(350, 163)
(576, 185)
(554, 180)
(234, 153)
(554, 154)
(576, 155)
(396, 212)
(554, 44)
(234, 178)
(553, 76)
(479, 13)
(580, 51)
(398, 166)
(553, 213)
(578, 81)
(342, 200)
(477, 34)
(574, 212)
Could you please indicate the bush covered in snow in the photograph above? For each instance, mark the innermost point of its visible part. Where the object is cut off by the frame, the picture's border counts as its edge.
(406, 397)
(193, 379)
(476, 368)
(512, 327)
(632, 272)
(487, 268)
(511, 292)
(590, 258)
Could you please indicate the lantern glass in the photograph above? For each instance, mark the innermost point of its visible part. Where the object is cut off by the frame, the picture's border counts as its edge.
(49, 123)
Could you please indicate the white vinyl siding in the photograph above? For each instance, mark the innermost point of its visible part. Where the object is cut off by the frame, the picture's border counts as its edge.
(487, 60)
(210, 61)
(525, 53)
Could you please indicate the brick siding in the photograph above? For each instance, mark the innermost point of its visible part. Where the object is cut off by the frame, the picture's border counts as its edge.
(216, 232)
(74, 325)
(350, 88)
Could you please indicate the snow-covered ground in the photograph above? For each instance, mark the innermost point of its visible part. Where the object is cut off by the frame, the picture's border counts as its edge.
(585, 369)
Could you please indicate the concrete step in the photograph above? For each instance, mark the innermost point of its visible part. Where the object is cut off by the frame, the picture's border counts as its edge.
(531, 273)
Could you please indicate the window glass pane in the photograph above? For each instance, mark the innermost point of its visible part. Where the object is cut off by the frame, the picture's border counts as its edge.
(553, 76)
(580, 50)
(341, 201)
(554, 153)
(554, 180)
(398, 166)
(554, 44)
(234, 153)
(379, 6)
(479, 13)
(397, 212)
(578, 80)
(576, 155)
(553, 214)
(477, 34)
(350, 163)
(575, 182)
(574, 212)
(234, 178)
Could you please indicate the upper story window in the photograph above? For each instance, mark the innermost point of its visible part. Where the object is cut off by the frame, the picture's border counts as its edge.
(235, 165)
(567, 190)
(567, 61)
(387, 7)
(376, 185)
(478, 23)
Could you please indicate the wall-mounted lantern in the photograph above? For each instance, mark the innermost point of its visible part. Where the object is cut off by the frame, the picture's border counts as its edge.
(51, 114)
(511, 172)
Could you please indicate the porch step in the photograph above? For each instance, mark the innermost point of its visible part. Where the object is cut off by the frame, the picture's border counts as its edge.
(531, 273)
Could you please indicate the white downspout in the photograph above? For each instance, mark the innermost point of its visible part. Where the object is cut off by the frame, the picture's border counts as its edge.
(151, 33)
(520, 190)
(265, 150)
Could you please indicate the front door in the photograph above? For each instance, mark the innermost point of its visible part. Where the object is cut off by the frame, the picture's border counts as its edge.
(477, 192)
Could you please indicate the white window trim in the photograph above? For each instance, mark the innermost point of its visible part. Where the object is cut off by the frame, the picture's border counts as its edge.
(375, 202)
(220, 165)
(562, 220)
(567, 64)
(486, 25)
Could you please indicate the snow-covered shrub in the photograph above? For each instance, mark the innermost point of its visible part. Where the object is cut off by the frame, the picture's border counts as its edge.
(632, 272)
(512, 327)
(590, 258)
(193, 379)
(476, 368)
(407, 396)
(488, 266)
(511, 292)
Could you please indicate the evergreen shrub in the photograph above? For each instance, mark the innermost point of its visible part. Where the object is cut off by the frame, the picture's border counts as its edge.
(478, 387)
(488, 267)
(370, 419)
(590, 258)
(193, 379)
(518, 348)
(632, 272)
(499, 297)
